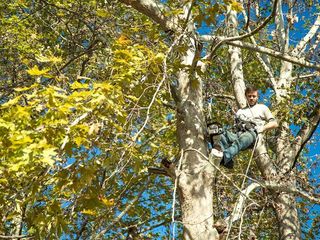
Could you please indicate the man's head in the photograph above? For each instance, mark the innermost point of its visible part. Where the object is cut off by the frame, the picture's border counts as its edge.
(251, 95)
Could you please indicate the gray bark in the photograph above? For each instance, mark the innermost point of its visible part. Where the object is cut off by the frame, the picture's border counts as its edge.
(285, 203)
(196, 175)
(287, 215)
(236, 60)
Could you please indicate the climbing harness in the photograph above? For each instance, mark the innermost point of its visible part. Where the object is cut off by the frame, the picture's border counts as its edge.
(244, 125)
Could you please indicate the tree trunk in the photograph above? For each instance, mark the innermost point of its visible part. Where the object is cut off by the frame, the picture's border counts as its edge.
(196, 199)
(285, 203)
(196, 174)
(287, 215)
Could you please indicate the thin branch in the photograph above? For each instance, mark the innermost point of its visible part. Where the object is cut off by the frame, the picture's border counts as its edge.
(176, 41)
(311, 75)
(219, 169)
(159, 171)
(300, 48)
(236, 214)
(263, 59)
(306, 132)
(276, 54)
(174, 194)
(315, 44)
(75, 122)
(217, 95)
(241, 37)
(257, 29)
(16, 237)
(280, 28)
(290, 189)
(127, 208)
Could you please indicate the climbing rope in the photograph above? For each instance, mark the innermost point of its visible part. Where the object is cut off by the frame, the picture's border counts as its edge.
(174, 196)
(243, 182)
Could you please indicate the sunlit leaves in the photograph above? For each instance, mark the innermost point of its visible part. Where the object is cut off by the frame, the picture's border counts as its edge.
(236, 6)
(75, 91)
(35, 71)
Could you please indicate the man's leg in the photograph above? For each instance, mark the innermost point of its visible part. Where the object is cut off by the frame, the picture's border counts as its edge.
(244, 141)
(224, 141)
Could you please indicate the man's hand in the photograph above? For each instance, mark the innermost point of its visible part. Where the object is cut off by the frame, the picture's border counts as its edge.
(259, 129)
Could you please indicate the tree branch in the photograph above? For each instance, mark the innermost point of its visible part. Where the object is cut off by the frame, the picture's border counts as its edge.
(257, 29)
(300, 48)
(290, 189)
(280, 28)
(154, 10)
(118, 218)
(311, 75)
(159, 171)
(236, 38)
(263, 59)
(306, 132)
(15, 237)
(276, 54)
(217, 95)
(237, 210)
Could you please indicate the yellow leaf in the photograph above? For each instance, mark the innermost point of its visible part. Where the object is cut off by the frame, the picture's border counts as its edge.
(153, 145)
(3, 181)
(16, 166)
(89, 212)
(104, 86)
(79, 141)
(7, 125)
(25, 88)
(133, 98)
(52, 102)
(21, 139)
(48, 155)
(236, 6)
(45, 59)
(94, 128)
(123, 40)
(78, 85)
(102, 13)
(11, 102)
(159, 57)
(35, 71)
(108, 202)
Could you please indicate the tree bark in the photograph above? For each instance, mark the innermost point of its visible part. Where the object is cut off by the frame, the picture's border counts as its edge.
(236, 60)
(196, 176)
(287, 215)
(285, 203)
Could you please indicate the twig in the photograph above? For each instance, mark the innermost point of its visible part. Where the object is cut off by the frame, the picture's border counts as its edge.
(75, 122)
(177, 40)
(127, 208)
(16, 236)
(251, 33)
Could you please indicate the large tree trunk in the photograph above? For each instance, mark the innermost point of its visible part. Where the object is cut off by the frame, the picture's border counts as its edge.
(196, 174)
(287, 215)
(285, 203)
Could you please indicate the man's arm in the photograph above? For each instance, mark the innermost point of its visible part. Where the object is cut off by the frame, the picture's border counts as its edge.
(270, 125)
(271, 121)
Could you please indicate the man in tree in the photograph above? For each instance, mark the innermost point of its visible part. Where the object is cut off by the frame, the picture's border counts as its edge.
(251, 122)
